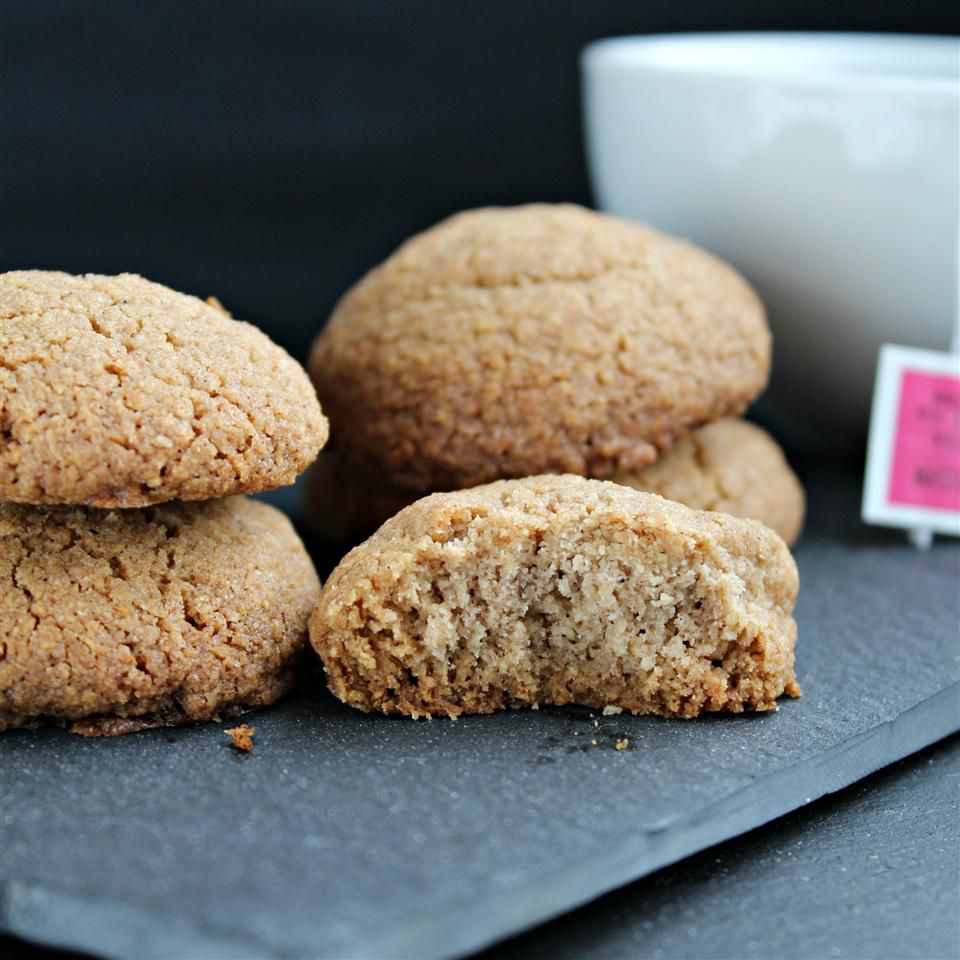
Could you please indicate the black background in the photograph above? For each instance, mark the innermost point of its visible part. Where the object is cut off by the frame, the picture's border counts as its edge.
(270, 152)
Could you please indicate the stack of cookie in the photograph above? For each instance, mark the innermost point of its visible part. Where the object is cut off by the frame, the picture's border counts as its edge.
(546, 339)
(123, 605)
(517, 343)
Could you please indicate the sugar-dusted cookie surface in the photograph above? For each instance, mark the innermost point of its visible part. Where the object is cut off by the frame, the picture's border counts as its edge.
(560, 590)
(116, 620)
(536, 339)
(119, 392)
(732, 466)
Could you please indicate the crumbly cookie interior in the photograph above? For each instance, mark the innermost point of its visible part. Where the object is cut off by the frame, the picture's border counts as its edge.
(596, 614)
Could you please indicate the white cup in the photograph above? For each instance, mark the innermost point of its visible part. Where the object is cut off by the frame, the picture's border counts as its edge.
(824, 166)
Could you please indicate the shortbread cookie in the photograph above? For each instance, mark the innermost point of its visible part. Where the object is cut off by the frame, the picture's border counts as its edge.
(731, 466)
(118, 392)
(536, 339)
(560, 590)
(117, 620)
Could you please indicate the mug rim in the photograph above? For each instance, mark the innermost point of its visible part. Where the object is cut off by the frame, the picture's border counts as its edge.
(873, 60)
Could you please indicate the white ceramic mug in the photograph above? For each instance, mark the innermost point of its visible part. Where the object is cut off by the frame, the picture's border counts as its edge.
(824, 166)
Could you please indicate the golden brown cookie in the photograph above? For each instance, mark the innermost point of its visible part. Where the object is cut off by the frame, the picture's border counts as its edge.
(118, 392)
(536, 339)
(560, 590)
(732, 466)
(118, 620)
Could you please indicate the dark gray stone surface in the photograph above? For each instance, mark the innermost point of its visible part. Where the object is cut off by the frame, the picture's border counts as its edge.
(870, 873)
(349, 835)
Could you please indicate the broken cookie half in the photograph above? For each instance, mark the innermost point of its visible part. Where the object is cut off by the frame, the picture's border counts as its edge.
(560, 590)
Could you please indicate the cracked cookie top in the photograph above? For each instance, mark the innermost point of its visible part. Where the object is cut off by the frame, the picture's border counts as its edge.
(119, 392)
(536, 339)
(120, 619)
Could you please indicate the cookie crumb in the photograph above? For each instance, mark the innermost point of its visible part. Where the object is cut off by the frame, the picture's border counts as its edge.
(622, 744)
(241, 738)
(611, 711)
(217, 305)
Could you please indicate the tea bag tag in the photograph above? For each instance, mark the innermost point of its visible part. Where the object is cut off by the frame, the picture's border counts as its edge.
(912, 477)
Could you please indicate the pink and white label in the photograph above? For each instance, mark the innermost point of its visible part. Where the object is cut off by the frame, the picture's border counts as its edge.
(926, 448)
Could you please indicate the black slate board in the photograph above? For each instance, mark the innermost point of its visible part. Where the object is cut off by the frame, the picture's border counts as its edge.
(346, 835)
(873, 871)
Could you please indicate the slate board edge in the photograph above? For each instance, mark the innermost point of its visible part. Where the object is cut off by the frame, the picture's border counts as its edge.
(117, 931)
(459, 933)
